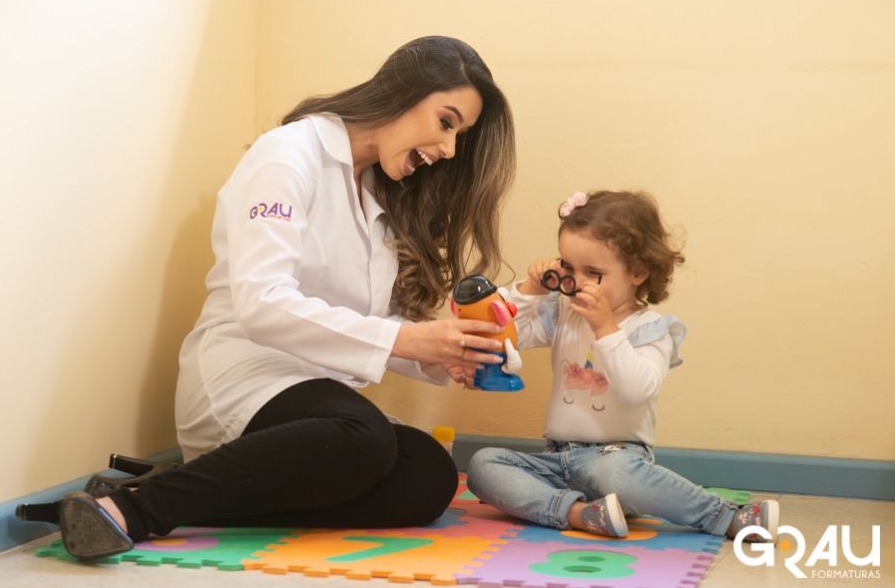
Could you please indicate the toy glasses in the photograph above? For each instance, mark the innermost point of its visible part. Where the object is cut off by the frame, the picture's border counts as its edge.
(562, 283)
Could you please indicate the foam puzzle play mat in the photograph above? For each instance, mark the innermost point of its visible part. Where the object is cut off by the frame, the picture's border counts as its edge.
(472, 543)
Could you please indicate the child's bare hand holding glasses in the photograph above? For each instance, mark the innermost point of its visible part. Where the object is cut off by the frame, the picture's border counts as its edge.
(592, 303)
(532, 285)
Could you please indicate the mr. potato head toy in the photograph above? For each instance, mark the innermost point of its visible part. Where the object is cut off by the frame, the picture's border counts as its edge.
(475, 297)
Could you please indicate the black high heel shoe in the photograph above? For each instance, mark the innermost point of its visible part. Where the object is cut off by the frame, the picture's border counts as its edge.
(88, 531)
(42, 513)
(140, 470)
(99, 485)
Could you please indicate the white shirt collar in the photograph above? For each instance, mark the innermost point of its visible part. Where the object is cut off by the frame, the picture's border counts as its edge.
(334, 136)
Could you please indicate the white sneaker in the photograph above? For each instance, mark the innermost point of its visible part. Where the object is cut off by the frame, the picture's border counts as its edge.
(765, 514)
(605, 517)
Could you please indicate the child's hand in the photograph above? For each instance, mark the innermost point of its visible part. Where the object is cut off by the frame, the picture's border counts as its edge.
(594, 306)
(536, 270)
(460, 374)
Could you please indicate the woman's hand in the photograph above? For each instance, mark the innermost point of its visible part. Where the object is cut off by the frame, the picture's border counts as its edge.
(532, 285)
(450, 342)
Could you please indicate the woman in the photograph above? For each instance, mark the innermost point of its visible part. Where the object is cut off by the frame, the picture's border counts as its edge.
(334, 233)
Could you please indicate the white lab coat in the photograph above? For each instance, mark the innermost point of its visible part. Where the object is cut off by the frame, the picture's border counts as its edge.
(300, 287)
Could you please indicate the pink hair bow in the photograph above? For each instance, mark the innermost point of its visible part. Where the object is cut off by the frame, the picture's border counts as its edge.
(575, 200)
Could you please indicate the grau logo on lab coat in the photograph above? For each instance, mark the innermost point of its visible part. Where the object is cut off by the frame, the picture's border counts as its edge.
(275, 210)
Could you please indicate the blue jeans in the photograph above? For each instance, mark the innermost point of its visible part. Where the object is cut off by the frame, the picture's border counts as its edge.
(542, 487)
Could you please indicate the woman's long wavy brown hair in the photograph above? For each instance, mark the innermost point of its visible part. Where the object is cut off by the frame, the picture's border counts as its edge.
(445, 217)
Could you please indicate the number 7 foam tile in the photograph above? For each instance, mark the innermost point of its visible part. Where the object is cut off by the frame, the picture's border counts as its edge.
(360, 554)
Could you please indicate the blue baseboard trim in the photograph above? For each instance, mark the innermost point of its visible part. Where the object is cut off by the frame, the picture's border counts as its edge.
(764, 472)
(14, 532)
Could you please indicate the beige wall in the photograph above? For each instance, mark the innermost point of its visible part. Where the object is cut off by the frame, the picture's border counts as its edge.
(119, 121)
(766, 130)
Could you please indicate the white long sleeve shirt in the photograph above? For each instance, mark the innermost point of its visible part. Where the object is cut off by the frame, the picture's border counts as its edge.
(604, 390)
(300, 288)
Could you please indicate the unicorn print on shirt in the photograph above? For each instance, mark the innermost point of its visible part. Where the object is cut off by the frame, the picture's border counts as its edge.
(584, 378)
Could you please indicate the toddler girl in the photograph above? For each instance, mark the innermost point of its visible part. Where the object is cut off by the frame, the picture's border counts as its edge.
(610, 354)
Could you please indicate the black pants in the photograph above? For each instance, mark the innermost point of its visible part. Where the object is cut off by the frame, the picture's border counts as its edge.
(318, 454)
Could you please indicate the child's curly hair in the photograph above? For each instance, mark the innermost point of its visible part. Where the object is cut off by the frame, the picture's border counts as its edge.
(631, 224)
